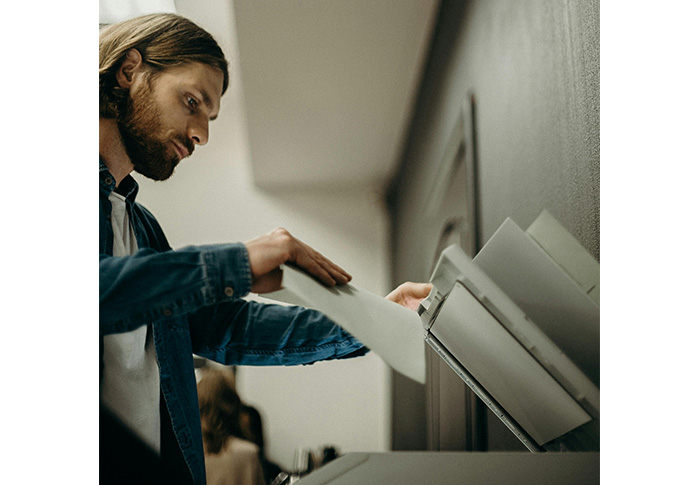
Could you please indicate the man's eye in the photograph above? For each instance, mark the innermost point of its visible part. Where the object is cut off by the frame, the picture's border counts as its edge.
(192, 103)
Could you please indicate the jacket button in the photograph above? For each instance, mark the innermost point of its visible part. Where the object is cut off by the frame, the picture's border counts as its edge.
(167, 312)
(228, 291)
(109, 181)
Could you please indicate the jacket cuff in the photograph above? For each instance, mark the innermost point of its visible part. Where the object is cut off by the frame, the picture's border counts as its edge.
(228, 270)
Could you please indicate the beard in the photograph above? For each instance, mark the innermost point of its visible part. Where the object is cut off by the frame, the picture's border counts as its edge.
(145, 140)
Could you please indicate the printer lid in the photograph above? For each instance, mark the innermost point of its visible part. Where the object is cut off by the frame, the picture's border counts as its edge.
(548, 291)
(515, 366)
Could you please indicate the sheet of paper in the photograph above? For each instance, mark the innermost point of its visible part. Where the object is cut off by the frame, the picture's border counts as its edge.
(394, 332)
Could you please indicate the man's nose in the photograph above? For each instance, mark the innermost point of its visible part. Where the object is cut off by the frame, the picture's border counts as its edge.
(198, 132)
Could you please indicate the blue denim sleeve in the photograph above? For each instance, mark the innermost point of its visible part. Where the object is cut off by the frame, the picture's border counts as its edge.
(149, 285)
(253, 333)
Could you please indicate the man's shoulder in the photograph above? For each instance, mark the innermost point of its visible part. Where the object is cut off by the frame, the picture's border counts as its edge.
(142, 208)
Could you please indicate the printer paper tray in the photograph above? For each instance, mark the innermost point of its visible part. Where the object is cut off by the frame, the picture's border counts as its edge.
(503, 368)
(482, 394)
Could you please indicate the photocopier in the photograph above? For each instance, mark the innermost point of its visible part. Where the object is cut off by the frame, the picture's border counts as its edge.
(519, 324)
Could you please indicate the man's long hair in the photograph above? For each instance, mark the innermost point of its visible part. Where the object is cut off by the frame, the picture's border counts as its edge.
(164, 40)
(219, 409)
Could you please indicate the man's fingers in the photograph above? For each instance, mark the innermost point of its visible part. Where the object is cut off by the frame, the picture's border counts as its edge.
(319, 266)
(418, 290)
(278, 247)
(410, 294)
(338, 274)
(315, 270)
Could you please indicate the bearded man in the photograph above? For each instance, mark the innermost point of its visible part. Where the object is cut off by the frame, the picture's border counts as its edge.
(161, 82)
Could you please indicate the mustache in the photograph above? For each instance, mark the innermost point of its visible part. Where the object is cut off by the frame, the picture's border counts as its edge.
(186, 142)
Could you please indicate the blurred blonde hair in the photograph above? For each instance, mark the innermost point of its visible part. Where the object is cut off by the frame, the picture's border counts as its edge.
(219, 408)
(164, 40)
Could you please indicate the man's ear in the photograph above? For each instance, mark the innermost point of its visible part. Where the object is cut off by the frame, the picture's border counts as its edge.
(130, 66)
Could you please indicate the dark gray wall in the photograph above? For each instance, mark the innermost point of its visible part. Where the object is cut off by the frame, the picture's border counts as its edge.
(533, 68)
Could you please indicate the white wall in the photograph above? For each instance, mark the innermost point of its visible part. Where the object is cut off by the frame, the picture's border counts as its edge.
(211, 199)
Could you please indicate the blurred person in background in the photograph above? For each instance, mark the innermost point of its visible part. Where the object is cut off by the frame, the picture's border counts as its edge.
(229, 458)
(252, 429)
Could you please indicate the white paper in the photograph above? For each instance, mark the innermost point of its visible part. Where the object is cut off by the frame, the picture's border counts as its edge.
(394, 332)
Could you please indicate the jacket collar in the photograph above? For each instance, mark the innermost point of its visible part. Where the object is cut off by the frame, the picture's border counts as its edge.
(128, 186)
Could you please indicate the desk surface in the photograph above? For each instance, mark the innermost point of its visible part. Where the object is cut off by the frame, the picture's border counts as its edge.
(447, 468)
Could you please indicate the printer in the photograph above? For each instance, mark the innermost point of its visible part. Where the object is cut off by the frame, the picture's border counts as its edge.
(519, 324)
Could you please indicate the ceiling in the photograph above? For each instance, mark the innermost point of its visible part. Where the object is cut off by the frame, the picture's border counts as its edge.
(329, 87)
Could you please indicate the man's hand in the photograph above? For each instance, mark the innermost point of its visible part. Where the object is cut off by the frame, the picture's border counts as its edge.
(410, 294)
(268, 252)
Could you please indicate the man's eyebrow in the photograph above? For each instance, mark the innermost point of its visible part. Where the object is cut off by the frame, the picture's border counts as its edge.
(210, 105)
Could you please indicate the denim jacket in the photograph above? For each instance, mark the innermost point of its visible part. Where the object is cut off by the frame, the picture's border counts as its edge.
(192, 297)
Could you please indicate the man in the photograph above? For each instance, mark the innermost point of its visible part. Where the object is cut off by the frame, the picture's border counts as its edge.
(161, 81)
